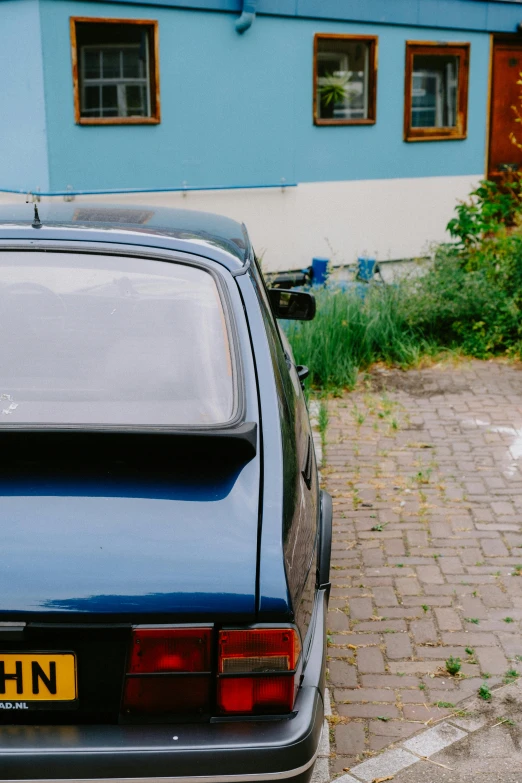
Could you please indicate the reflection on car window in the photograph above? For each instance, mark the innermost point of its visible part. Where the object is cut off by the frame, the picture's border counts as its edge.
(88, 339)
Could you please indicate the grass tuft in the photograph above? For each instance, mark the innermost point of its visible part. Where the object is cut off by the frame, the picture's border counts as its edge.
(453, 665)
(350, 334)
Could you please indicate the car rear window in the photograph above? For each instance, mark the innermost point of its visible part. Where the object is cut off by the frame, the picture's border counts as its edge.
(103, 339)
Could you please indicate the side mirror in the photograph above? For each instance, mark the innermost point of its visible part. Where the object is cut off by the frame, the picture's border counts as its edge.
(293, 305)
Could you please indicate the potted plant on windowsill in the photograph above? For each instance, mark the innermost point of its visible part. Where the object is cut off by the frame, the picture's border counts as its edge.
(333, 90)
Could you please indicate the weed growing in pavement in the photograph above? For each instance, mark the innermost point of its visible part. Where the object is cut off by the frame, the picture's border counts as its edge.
(508, 620)
(423, 476)
(453, 665)
(511, 675)
(505, 721)
(517, 571)
(484, 693)
(469, 651)
(323, 421)
(473, 620)
(444, 704)
(425, 607)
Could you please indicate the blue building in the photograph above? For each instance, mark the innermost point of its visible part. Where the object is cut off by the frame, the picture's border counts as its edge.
(330, 127)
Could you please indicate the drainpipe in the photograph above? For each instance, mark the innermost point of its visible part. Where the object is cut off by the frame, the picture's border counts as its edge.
(247, 17)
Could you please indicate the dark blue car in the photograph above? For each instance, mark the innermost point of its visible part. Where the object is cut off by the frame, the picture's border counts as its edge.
(165, 545)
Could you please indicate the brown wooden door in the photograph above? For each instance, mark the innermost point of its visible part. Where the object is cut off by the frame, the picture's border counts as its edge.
(505, 93)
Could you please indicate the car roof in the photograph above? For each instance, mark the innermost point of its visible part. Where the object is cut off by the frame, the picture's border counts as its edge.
(204, 233)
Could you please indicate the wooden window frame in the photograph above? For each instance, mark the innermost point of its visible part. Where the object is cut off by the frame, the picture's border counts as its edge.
(460, 131)
(155, 118)
(372, 79)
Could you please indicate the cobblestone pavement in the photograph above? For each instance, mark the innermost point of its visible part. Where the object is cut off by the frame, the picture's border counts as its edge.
(425, 470)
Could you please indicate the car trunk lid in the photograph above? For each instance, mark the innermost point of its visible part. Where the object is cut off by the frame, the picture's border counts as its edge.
(129, 531)
(89, 552)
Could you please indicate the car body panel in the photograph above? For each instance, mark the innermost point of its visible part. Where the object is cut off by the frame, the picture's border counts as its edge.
(220, 751)
(171, 545)
(273, 595)
(215, 237)
(128, 547)
(291, 522)
(229, 541)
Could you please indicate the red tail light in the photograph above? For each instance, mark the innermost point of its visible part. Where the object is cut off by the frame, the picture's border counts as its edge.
(170, 650)
(168, 671)
(266, 661)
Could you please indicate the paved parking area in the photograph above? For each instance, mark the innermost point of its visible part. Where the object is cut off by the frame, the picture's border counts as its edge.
(425, 470)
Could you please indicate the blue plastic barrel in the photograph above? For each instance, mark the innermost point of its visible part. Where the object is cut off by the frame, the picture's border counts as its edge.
(319, 270)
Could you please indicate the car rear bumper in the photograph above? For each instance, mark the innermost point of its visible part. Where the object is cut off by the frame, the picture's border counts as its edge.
(218, 752)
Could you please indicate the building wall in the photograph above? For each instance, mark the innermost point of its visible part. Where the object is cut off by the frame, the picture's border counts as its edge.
(23, 145)
(237, 110)
(499, 16)
(393, 219)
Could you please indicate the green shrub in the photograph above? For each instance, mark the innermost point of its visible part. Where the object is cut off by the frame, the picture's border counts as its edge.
(489, 208)
(468, 299)
(471, 301)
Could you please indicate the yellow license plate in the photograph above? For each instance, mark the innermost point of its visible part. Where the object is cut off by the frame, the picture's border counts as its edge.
(38, 677)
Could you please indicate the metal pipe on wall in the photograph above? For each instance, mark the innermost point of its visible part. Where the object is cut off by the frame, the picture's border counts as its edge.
(247, 17)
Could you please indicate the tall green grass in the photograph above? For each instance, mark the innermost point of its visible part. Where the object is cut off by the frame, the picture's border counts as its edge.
(350, 333)
(467, 300)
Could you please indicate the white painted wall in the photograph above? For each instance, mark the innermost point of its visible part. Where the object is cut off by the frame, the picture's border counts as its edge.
(393, 218)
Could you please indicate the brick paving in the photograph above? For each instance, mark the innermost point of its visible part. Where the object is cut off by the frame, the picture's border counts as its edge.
(425, 470)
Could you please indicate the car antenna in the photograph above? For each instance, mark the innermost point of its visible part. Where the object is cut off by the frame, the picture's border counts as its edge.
(37, 223)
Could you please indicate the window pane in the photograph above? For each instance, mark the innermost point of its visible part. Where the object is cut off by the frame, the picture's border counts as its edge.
(132, 65)
(91, 64)
(92, 99)
(109, 96)
(111, 63)
(114, 60)
(343, 79)
(434, 91)
(112, 340)
(135, 95)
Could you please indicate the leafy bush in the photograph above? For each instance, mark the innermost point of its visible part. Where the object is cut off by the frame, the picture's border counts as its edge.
(489, 208)
(471, 301)
(468, 299)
